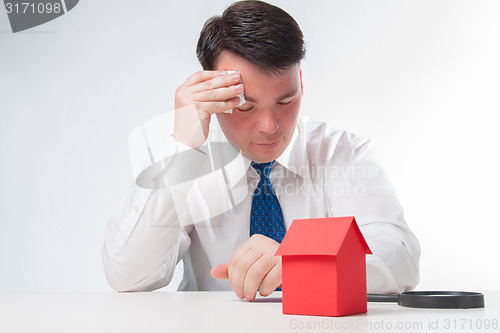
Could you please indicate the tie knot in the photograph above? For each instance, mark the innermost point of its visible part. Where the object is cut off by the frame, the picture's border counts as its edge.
(263, 169)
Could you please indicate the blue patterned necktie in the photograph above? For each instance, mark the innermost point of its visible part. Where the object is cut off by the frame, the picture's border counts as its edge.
(266, 216)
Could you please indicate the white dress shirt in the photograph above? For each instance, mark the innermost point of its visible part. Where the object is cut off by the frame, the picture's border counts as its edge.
(184, 211)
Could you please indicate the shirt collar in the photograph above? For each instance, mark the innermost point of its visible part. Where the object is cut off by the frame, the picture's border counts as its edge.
(294, 157)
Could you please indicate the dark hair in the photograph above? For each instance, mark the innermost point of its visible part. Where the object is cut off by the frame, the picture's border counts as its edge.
(261, 33)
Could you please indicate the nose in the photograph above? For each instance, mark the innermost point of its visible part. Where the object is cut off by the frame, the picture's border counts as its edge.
(267, 122)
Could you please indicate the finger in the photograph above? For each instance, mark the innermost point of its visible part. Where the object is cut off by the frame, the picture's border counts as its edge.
(217, 107)
(241, 251)
(202, 76)
(220, 271)
(239, 277)
(237, 271)
(219, 81)
(219, 94)
(250, 243)
(256, 274)
(271, 281)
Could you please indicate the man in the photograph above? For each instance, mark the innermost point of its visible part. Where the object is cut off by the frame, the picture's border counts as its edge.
(297, 167)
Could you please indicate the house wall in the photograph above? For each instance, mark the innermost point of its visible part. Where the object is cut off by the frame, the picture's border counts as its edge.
(309, 285)
(351, 266)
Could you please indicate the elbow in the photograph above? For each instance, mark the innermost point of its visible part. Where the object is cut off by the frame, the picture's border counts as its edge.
(393, 268)
(407, 273)
(123, 276)
(119, 276)
(116, 277)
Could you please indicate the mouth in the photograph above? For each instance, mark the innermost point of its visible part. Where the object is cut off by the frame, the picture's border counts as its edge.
(268, 144)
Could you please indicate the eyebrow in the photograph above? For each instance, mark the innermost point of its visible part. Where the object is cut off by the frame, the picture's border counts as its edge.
(285, 96)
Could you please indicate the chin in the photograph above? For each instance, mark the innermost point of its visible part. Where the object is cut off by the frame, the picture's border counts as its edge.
(265, 157)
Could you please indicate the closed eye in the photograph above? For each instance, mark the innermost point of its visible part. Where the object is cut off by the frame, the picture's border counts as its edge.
(285, 102)
(245, 108)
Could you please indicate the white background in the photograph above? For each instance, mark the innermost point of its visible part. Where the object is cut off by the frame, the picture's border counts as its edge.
(421, 78)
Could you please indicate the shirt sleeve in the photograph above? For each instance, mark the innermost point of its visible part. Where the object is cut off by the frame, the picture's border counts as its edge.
(145, 238)
(359, 187)
(144, 241)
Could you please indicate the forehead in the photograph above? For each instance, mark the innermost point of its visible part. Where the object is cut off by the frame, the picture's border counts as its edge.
(255, 80)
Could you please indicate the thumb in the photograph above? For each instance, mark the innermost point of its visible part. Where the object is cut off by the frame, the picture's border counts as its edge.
(220, 271)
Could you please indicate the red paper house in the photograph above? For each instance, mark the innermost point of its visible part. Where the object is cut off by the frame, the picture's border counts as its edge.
(324, 267)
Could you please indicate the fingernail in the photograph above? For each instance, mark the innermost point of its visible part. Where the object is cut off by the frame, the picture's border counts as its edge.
(239, 87)
(235, 76)
(220, 73)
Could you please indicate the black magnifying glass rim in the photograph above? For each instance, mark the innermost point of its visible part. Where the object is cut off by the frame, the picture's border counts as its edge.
(433, 299)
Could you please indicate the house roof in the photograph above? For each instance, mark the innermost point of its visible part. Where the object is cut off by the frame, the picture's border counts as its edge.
(320, 236)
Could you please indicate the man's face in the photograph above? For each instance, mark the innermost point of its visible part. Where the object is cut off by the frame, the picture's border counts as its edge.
(262, 127)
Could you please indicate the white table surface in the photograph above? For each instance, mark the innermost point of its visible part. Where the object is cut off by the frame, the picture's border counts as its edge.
(220, 312)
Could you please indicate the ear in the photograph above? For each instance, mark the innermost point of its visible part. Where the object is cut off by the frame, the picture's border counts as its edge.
(301, 84)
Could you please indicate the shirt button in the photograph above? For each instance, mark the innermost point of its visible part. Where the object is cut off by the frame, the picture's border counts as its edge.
(136, 208)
